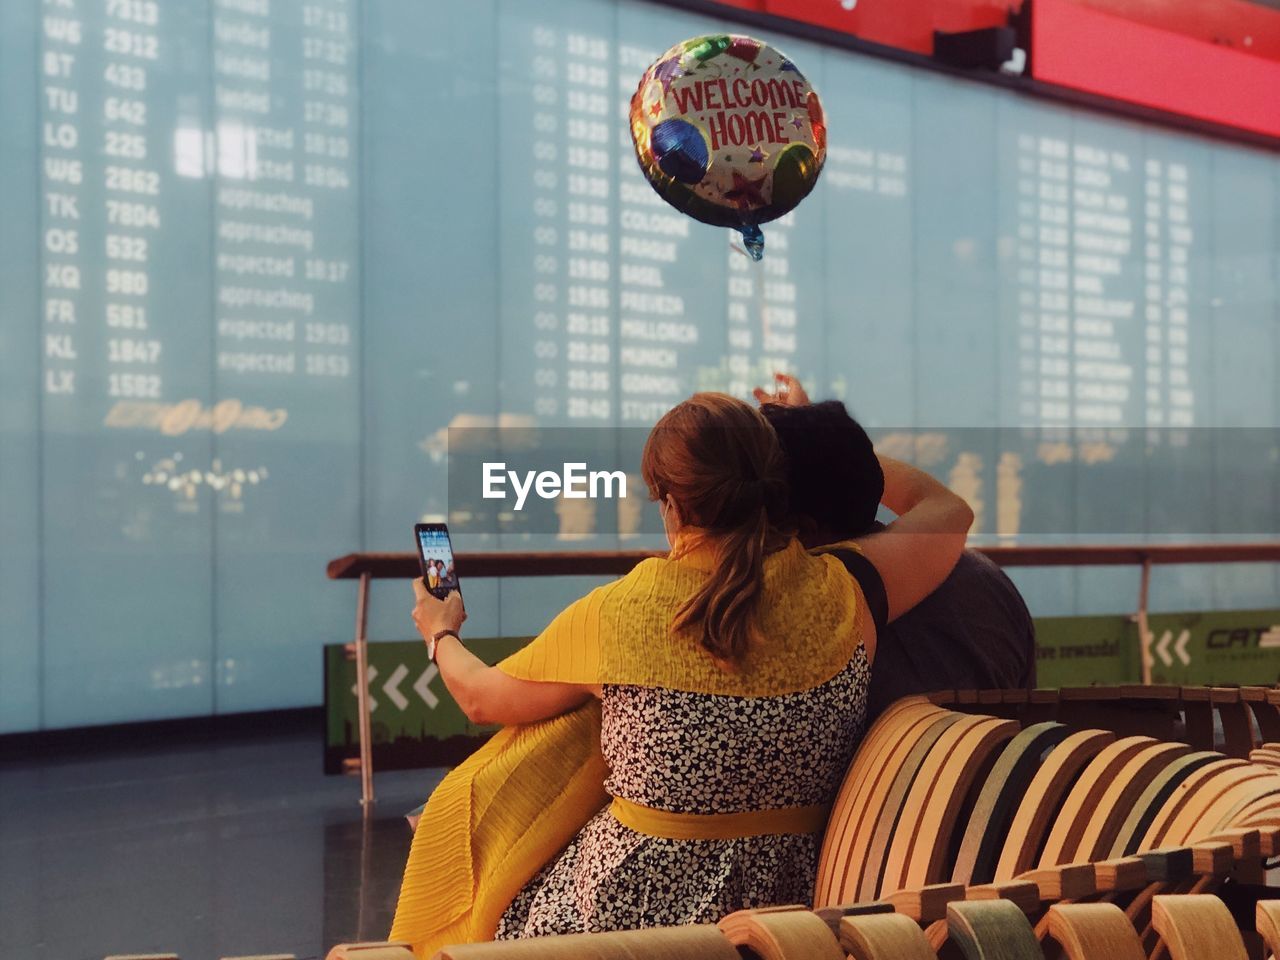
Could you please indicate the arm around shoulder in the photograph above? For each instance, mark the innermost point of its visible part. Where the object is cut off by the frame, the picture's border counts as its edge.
(916, 552)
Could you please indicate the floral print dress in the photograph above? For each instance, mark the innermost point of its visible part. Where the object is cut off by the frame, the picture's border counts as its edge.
(699, 753)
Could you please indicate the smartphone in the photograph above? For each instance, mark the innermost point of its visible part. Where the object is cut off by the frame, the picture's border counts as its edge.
(435, 558)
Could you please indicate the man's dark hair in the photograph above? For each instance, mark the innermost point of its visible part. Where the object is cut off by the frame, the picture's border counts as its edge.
(836, 480)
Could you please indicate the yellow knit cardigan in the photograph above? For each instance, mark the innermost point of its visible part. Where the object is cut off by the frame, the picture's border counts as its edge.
(496, 819)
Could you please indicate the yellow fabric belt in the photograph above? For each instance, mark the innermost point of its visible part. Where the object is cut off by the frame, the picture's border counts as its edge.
(718, 826)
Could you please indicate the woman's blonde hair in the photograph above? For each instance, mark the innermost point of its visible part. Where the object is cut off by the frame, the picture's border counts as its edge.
(719, 460)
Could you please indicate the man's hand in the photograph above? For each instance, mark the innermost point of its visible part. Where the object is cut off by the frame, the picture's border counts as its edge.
(787, 392)
(431, 615)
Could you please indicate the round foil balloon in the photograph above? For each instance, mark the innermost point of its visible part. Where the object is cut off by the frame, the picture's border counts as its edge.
(729, 131)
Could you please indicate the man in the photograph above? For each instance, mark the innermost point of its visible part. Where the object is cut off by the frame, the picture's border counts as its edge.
(973, 632)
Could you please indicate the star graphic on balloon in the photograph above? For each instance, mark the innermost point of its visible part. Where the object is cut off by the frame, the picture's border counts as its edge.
(668, 71)
(798, 123)
(656, 108)
(758, 155)
(745, 192)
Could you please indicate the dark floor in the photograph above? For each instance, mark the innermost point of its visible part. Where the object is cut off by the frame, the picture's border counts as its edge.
(220, 849)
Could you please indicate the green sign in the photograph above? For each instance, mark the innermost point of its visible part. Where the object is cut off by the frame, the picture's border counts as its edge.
(414, 720)
(417, 724)
(1079, 651)
(1193, 649)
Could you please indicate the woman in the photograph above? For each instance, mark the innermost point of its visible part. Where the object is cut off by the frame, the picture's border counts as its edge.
(732, 677)
(433, 575)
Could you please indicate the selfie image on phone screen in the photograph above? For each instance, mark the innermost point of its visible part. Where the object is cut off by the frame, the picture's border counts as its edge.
(435, 556)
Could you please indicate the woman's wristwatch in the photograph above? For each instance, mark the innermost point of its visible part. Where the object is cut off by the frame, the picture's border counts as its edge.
(435, 639)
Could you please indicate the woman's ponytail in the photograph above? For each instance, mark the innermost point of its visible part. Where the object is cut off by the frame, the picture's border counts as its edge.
(720, 460)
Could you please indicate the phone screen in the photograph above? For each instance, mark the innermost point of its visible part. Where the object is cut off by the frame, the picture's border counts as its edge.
(435, 557)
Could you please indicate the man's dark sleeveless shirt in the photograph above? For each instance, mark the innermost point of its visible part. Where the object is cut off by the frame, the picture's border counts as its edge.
(973, 632)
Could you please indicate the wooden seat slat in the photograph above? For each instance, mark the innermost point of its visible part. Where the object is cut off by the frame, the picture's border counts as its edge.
(1003, 790)
(928, 903)
(1168, 865)
(892, 734)
(1197, 927)
(832, 916)
(933, 803)
(1043, 798)
(1249, 794)
(884, 937)
(690, 942)
(371, 951)
(1121, 873)
(1186, 792)
(1153, 799)
(992, 930)
(1082, 801)
(1067, 881)
(1226, 790)
(1022, 892)
(1267, 923)
(1155, 691)
(1212, 858)
(1094, 931)
(1117, 800)
(886, 807)
(795, 934)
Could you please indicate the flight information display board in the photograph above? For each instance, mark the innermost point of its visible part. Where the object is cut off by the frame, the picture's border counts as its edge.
(259, 256)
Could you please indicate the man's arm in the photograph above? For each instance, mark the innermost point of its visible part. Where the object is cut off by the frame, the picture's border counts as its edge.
(914, 554)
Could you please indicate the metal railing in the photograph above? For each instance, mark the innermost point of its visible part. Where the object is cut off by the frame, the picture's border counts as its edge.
(367, 567)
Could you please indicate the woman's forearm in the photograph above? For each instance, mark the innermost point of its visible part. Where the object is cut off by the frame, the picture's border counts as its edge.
(484, 693)
(463, 673)
(487, 695)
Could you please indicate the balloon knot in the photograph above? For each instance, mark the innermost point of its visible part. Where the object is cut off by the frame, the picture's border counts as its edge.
(753, 240)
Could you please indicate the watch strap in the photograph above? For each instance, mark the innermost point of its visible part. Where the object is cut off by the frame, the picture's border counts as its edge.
(435, 640)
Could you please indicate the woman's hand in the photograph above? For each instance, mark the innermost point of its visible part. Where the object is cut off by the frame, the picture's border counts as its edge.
(432, 615)
(485, 693)
(787, 392)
